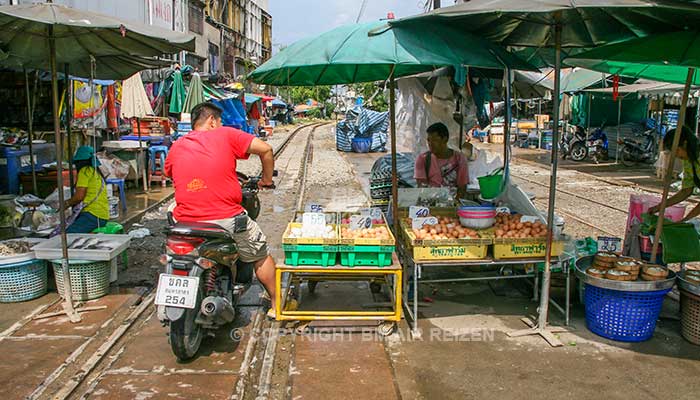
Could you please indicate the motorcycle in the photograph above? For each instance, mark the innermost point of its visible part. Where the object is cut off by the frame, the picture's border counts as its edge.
(597, 145)
(203, 278)
(633, 151)
(573, 144)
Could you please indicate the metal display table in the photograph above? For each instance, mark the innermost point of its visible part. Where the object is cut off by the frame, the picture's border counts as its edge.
(391, 275)
(409, 262)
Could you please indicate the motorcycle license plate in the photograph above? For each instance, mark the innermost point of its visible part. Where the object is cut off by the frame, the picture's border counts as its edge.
(177, 291)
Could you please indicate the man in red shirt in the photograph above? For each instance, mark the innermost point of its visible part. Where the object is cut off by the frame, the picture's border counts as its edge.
(202, 165)
(441, 166)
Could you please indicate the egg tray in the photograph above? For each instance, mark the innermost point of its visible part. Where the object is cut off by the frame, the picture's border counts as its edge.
(369, 241)
(289, 240)
(486, 238)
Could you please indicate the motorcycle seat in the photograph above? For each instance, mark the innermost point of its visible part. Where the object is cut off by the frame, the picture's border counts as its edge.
(203, 229)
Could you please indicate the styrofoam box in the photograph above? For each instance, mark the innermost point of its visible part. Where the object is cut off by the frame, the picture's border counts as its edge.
(51, 249)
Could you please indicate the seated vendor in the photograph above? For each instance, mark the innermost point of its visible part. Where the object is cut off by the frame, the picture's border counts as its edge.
(689, 152)
(442, 166)
(91, 191)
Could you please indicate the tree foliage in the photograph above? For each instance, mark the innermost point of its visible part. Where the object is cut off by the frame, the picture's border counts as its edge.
(373, 95)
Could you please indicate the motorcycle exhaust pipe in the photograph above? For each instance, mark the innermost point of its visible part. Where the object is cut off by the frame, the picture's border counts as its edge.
(218, 308)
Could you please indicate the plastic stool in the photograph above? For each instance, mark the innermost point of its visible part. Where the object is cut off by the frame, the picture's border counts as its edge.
(114, 228)
(122, 190)
(153, 153)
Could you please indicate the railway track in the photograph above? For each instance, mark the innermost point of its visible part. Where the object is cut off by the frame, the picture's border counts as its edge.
(91, 366)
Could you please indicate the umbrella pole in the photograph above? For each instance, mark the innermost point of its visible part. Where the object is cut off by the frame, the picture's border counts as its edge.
(69, 121)
(67, 288)
(506, 126)
(30, 127)
(394, 177)
(540, 326)
(671, 161)
(619, 119)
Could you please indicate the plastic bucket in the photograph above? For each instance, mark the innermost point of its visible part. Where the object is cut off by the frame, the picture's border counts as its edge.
(490, 185)
(113, 207)
(361, 145)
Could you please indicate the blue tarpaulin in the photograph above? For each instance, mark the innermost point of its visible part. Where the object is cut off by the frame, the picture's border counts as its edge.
(362, 123)
(234, 114)
(278, 103)
(251, 98)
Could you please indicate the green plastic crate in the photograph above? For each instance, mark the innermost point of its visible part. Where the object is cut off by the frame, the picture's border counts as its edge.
(358, 256)
(310, 254)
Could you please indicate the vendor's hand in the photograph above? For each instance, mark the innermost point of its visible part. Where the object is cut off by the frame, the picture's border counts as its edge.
(265, 184)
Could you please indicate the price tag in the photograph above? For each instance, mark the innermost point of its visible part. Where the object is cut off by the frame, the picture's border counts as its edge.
(417, 223)
(375, 213)
(313, 208)
(360, 222)
(418, 212)
(528, 218)
(610, 244)
(310, 219)
(365, 212)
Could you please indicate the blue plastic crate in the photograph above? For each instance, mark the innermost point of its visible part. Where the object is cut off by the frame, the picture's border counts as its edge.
(622, 316)
(23, 281)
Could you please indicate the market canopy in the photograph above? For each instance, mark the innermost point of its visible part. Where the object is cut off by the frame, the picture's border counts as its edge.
(371, 51)
(585, 23)
(663, 57)
(80, 34)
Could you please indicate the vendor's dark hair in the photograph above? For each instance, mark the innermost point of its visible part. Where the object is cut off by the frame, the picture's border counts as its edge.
(689, 142)
(202, 111)
(440, 129)
(80, 164)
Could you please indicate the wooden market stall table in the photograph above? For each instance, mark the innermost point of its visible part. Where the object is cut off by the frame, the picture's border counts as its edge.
(391, 275)
(417, 266)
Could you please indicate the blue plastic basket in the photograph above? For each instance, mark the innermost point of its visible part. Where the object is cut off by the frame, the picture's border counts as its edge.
(622, 316)
(23, 281)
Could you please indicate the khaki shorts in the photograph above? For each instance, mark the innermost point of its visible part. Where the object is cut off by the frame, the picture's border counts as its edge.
(252, 243)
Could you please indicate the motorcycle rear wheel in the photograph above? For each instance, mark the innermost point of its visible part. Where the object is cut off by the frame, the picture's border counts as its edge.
(185, 335)
(627, 158)
(579, 152)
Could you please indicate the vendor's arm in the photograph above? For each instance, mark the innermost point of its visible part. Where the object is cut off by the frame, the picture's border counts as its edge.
(267, 158)
(680, 196)
(419, 171)
(78, 196)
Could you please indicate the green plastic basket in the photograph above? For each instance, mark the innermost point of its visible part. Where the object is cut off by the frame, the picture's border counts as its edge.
(358, 256)
(310, 254)
(23, 281)
(89, 279)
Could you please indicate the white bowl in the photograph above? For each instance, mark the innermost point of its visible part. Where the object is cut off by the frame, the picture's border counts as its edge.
(477, 223)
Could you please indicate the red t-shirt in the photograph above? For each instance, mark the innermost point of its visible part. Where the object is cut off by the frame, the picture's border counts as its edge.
(202, 166)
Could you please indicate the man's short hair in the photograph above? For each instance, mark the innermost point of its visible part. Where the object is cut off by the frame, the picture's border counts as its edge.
(440, 129)
(202, 111)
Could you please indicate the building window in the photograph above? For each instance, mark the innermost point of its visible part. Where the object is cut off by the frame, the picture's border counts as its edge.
(213, 59)
(196, 18)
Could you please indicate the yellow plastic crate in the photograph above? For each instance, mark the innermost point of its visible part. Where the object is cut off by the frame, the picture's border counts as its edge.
(288, 240)
(524, 248)
(450, 252)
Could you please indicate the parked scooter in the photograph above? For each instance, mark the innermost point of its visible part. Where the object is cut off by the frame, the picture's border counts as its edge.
(573, 144)
(597, 145)
(203, 277)
(634, 151)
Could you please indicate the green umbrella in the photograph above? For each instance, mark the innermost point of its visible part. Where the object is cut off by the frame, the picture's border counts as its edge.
(670, 57)
(195, 93)
(178, 94)
(45, 34)
(371, 52)
(557, 24)
(663, 57)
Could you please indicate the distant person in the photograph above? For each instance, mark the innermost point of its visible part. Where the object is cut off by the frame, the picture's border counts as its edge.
(442, 166)
(90, 193)
(689, 152)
